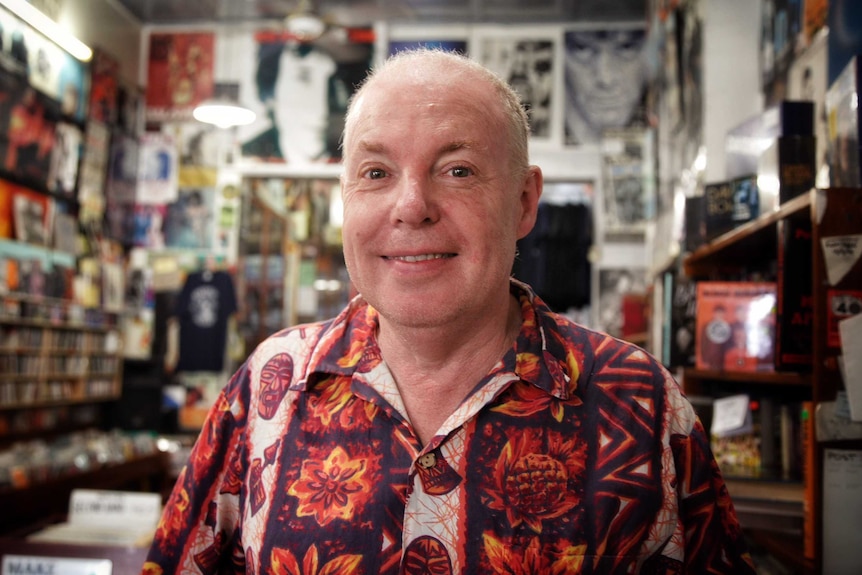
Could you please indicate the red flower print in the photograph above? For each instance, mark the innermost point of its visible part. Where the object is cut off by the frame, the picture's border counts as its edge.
(531, 559)
(331, 488)
(533, 478)
(283, 562)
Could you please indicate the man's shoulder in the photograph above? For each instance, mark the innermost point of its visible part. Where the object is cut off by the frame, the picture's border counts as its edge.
(321, 345)
(598, 350)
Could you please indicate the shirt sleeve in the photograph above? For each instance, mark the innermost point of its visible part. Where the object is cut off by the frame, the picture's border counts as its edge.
(201, 517)
(714, 541)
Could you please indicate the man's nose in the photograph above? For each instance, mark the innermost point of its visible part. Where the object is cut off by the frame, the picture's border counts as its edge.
(415, 203)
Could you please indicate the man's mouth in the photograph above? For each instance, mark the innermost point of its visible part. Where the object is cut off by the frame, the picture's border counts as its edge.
(419, 258)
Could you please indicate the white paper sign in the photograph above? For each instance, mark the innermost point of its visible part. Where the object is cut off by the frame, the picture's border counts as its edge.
(104, 508)
(840, 254)
(842, 512)
(32, 565)
(851, 351)
(731, 415)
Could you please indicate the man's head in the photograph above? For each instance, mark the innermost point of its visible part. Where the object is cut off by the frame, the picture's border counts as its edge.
(437, 188)
(421, 64)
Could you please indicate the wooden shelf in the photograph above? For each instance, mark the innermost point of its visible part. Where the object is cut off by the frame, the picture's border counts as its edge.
(755, 239)
(758, 377)
(762, 489)
(753, 247)
(58, 402)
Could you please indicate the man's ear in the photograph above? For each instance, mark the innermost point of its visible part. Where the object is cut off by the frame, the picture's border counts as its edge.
(531, 191)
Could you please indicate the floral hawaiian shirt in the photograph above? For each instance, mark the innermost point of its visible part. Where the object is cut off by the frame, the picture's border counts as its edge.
(576, 454)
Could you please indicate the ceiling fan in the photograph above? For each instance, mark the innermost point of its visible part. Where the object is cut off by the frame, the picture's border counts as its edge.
(304, 23)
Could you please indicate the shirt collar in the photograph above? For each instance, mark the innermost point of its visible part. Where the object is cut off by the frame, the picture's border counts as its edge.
(348, 344)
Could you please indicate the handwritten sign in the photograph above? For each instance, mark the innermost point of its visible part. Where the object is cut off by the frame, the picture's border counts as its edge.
(840, 254)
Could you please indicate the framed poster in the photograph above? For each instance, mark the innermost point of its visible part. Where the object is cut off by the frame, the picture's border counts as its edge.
(628, 184)
(298, 91)
(527, 61)
(605, 80)
(28, 121)
(180, 74)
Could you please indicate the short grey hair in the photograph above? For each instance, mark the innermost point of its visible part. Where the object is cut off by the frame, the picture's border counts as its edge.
(514, 114)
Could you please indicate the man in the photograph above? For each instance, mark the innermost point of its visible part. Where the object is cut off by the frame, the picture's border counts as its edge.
(446, 421)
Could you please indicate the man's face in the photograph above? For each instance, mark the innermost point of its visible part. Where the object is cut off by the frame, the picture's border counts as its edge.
(605, 72)
(431, 210)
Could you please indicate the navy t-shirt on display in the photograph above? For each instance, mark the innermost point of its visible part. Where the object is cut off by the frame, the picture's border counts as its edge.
(203, 307)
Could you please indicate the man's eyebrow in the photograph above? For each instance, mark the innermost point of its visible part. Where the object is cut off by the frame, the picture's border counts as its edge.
(373, 147)
(382, 148)
(458, 145)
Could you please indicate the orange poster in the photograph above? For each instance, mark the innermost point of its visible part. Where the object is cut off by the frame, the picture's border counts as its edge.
(179, 74)
(735, 326)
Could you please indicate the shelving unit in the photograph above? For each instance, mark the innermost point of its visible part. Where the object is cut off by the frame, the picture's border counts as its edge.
(55, 353)
(833, 212)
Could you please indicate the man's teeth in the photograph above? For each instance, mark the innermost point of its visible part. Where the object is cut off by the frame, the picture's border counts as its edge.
(420, 258)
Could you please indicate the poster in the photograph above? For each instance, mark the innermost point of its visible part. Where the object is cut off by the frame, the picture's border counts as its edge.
(179, 74)
(27, 125)
(189, 221)
(605, 81)
(158, 171)
(65, 157)
(735, 326)
(299, 93)
(104, 87)
(527, 63)
(47, 67)
(628, 186)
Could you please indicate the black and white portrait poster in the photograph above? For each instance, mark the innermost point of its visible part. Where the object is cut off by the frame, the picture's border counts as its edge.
(605, 81)
(527, 62)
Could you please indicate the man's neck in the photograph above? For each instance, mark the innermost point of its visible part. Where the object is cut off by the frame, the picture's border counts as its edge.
(436, 368)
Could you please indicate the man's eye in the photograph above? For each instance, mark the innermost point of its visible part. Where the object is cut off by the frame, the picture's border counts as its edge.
(460, 172)
(376, 174)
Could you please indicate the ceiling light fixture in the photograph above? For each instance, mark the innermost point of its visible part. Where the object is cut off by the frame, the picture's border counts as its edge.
(223, 114)
(303, 24)
(222, 109)
(48, 28)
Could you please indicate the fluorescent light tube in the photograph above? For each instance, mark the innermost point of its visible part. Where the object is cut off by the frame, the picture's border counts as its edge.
(48, 28)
